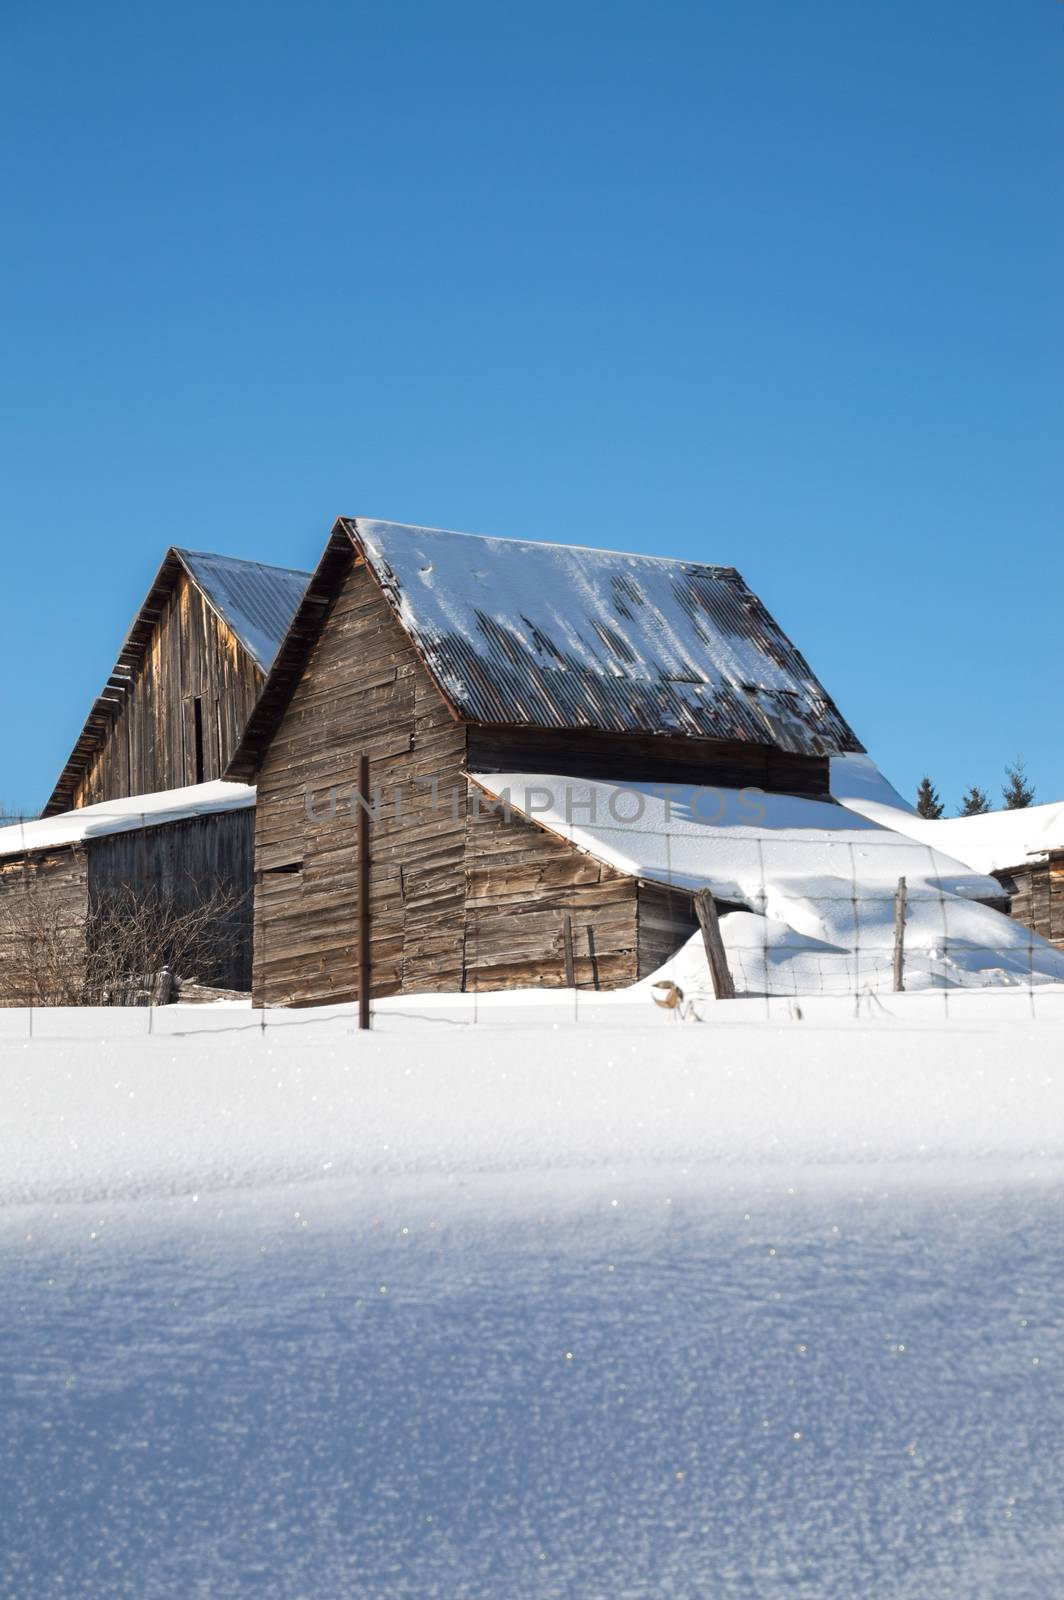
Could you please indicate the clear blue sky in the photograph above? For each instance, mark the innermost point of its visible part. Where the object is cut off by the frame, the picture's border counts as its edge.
(770, 284)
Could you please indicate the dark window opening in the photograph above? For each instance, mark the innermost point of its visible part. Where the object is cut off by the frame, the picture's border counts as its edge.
(197, 720)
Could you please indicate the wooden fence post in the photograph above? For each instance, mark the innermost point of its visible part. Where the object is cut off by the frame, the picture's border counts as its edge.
(900, 903)
(163, 988)
(716, 955)
(567, 946)
(363, 893)
(592, 956)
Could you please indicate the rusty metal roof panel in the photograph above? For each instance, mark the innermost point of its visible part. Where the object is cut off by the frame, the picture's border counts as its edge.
(559, 636)
(257, 602)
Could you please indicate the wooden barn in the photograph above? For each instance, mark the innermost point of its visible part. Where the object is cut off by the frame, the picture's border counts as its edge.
(1030, 866)
(187, 677)
(1036, 894)
(436, 655)
(176, 850)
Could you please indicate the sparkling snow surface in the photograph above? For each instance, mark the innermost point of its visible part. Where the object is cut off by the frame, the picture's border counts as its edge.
(631, 1308)
(819, 881)
(124, 816)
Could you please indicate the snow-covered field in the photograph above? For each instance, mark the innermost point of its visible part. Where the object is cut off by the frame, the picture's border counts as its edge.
(630, 1307)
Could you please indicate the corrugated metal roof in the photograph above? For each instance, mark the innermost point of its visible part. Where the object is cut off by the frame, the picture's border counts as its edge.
(257, 602)
(559, 636)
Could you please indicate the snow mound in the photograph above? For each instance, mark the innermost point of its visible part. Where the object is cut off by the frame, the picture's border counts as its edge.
(993, 842)
(819, 878)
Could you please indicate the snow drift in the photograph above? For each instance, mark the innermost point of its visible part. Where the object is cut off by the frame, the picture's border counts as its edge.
(817, 880)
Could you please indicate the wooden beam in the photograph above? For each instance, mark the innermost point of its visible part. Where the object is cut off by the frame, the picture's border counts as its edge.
(593, 957)
(363, 892)
(716, 955)
(567, 943)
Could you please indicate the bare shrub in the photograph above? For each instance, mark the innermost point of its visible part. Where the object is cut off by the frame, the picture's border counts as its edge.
(115, 954)
(42, 951)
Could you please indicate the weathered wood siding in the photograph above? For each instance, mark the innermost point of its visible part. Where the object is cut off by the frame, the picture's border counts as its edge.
(42, 896)
(617, 758)
(1037, 896)
(364, 690)
(51, 895)
(459, 896)
(152, 743)
(522, 883)
(666, 922)
(183, 864)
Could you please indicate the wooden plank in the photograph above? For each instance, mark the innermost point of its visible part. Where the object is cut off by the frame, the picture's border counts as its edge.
(716, 955)
(592, 956)
(363, 893)
(567, 945)
(589, 753)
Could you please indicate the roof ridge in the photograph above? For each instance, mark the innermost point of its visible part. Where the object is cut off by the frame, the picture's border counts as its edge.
(544, 544)
(244, 561)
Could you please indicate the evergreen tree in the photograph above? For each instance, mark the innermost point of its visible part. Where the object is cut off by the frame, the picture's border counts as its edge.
(927, 802)
(1017, 793)
(975, 802)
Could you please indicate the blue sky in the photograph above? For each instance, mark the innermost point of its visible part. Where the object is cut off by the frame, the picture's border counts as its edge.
(766, 284)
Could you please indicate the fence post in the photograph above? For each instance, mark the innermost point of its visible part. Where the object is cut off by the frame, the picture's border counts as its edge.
(592, 956)
(901, 895)
(716, 956)
(567, 947)
(363, 893)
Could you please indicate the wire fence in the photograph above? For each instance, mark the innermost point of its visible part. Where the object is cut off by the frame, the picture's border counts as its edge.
(703, 918)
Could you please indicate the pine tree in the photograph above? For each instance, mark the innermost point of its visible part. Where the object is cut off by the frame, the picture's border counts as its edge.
(975, 802)
(927, 802)
(1017, 793)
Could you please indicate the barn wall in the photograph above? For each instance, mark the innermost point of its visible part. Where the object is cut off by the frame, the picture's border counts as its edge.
(151, 744)
(621, 758)
(666, 922)
(1037, 896)
(43, 897)
(363, 691)
(522, 883)
(184, 863)
(459, 897)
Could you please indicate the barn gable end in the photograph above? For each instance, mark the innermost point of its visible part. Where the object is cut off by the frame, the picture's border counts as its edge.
(460, 897)
(185, 682)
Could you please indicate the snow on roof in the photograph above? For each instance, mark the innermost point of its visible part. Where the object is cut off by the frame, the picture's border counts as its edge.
(560, 636)
(820, 878)
(993, 842)
(124, 816)
(257, 602)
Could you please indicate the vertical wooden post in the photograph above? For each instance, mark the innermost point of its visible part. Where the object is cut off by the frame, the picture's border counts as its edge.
(900, 902)
(592, 956)
(567, 946)
(363, 892)
(716, 955)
